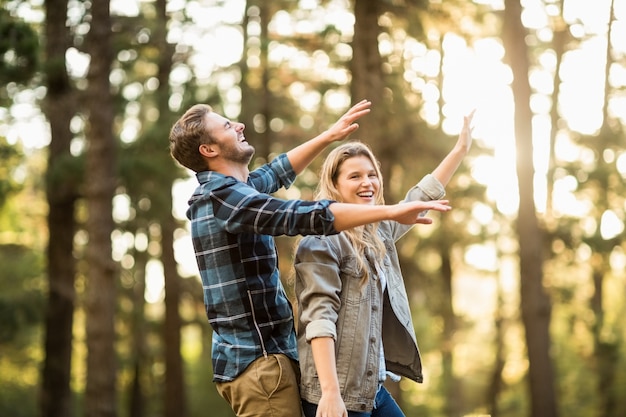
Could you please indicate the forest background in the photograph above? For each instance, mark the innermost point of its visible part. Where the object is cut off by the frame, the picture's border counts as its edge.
(517, 293)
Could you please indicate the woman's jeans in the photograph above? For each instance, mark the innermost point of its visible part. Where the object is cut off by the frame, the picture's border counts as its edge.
(384, 406)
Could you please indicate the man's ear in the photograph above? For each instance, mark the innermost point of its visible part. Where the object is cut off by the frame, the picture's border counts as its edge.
(208, 150)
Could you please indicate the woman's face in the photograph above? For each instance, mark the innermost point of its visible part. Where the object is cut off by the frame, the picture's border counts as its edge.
(357, 181)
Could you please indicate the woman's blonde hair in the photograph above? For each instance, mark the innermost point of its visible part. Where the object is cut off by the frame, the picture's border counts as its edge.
(364, 239)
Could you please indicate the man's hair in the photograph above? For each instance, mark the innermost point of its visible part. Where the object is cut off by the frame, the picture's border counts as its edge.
(186, 136)
(364, 238)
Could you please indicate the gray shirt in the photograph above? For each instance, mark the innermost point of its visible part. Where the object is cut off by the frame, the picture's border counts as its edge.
(333, 302)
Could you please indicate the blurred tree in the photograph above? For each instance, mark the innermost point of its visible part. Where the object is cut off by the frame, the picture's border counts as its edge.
(255, 90)
(368, 82)
(535, 302)
(175, 394)
(63, 177)
(606, 184)
(398, 137)
(100, 184)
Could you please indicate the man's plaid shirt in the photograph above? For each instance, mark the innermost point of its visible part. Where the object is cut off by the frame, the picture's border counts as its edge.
(232, 224)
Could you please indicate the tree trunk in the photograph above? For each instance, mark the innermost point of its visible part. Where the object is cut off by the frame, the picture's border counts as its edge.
(266, 92)
(606, 349)
(535, 303)
(100, 393)
(452, 390)
(61, 189)
(496, 383)
(137, 402)
(257, 95)
(175, 404)
(368, 82)
(175, 398)
(559, 42)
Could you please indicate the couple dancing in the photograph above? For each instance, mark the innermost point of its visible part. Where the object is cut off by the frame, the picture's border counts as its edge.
(349, 286)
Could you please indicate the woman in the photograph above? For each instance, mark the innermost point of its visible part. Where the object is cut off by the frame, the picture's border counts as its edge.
(351, 293)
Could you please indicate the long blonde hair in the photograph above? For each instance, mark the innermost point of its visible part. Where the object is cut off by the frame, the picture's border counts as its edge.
(364, 239)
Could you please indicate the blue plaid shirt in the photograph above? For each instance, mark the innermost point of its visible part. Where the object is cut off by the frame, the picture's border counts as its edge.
(232, 224)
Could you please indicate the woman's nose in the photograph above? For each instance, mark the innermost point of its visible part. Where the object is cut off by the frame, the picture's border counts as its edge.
(240, 126)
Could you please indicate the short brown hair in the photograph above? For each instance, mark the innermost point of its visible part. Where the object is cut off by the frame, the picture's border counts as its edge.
(186, 136)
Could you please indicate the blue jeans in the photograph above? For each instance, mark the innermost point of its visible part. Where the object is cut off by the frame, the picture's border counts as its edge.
(384, 406)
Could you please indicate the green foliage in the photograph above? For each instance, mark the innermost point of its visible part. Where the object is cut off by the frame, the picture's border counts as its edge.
(22, 302)
(21, 295)
(19, 48)
(10, 158)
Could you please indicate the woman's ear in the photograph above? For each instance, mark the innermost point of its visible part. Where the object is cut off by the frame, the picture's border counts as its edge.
(208, 150)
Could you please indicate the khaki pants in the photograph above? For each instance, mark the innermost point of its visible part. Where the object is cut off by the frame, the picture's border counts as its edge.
(268, 388)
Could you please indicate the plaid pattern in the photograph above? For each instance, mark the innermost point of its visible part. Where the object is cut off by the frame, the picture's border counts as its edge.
(232, 224)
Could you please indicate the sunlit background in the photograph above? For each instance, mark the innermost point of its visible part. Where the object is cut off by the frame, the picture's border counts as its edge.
(475, 77)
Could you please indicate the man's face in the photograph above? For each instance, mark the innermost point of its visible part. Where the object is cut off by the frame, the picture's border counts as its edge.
(229, 137)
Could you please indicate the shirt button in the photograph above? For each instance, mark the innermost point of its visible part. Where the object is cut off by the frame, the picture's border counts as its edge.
(370, 373)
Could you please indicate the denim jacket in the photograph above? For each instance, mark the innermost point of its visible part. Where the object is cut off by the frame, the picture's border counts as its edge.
(332, 302)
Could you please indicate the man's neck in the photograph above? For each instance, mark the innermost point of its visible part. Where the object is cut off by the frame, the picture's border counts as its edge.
(238, 171)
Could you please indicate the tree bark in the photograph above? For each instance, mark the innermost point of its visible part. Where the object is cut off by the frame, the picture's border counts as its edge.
(535, 303)
(606, 349)
(368, 82)
(175, 398)
(258, 98)
(59, 107)
(100, 392)
(452, 389)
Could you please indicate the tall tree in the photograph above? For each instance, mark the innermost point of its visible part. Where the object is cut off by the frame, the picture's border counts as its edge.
(368, 81)
(175, 394)
(606, 343)
(257, 96)
(62, 192)
(100, 177)
(559, 44)
(535, 303)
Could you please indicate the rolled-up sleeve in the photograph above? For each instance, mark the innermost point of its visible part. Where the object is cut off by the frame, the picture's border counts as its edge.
(429, 188)
(318, 286)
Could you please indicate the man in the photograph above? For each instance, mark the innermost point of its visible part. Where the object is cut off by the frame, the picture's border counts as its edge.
(233, 218)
